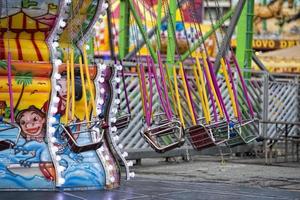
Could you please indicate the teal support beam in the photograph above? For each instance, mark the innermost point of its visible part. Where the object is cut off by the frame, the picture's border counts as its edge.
(241, 37)
(249, 33)
(264, 21)
(124, 29)
(171, 32)
(159, 4)
(216, 26)
(142, 30)
(244, 34)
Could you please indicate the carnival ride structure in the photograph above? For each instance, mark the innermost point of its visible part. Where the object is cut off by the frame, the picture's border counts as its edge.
(60, 101)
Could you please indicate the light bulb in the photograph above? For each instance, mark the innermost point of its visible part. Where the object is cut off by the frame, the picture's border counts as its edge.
(54, 149)
(117, 101)
(120, 146)
(57, 62)
(103, 66)
(61, 181)
(116, 138)
(113, 129)
(55, 44)
(113, 120)
(57, 88)
(62, 23)
(53, 110)
(58, 158)
(130, 163)
(110, 167)
(104, 6)
(125, 154)
(51, 130)
(57, 76)
(101, 101)
(112, 179)
(117, 79)
(56, 99)
(132, 174)
(101, 80)
(53, 139)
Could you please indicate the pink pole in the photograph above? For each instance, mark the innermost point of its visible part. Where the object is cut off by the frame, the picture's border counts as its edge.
(11, 100)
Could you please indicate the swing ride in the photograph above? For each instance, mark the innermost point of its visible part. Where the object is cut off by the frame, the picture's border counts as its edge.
(66, 104)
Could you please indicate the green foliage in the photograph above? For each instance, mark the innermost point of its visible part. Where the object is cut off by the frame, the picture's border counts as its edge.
(3, 65)
(23, 78)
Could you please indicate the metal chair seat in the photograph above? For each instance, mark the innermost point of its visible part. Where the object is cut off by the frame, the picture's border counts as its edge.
(203, 136)
(164, 136)
(238, 136)
(95, 128)
(122, 121)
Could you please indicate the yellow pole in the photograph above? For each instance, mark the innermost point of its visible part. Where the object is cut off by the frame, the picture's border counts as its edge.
(200, 94)
(212, 85)
(89, 80)
(83, 89)
(177, 96)
(68, 92)
(141, 89)
(72, 84)
(202, 82)
(229, 87)
(187, 94)
(171, 89)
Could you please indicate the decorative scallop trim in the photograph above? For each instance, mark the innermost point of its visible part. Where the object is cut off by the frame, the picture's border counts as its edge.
(53, 43)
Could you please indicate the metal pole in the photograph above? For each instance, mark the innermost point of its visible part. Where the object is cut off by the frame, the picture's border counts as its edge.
(262, 66)
(265, 113)
(230, 30)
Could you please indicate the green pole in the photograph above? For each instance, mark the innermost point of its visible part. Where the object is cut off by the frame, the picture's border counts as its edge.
(249, 33)
(245, 36)
(241, 37)
(142, 30)
(171, 35)
(264, 21)
(124, 29)
(159, 4)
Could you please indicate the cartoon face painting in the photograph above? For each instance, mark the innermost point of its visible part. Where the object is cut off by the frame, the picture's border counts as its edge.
(63, 91)
(32, 123)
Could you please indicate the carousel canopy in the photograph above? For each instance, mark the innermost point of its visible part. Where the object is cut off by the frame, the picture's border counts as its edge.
(282, 60)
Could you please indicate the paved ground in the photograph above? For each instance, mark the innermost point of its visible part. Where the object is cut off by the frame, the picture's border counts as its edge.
(201, 178)
(247, 172)
(146, 189)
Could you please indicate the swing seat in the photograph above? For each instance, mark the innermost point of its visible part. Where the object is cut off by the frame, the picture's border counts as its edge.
(122, 121)
(164, 135)
(203, 136)
(94, 128)
(238, 136)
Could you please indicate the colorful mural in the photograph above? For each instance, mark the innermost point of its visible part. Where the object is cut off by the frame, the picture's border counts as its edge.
(36, 151)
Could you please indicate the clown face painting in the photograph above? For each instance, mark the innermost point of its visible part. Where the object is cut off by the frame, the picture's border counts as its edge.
(32, 123)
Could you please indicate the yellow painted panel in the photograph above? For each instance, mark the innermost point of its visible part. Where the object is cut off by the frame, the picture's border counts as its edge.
(28, 99)
(17, 21)
(28, 50)
(38, 85)
(30, 24)
(39, 36)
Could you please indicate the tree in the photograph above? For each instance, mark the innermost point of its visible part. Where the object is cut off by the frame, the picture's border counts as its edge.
(24, 79)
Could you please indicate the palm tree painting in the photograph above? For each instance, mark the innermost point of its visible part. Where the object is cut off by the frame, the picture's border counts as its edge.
(24, 79)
